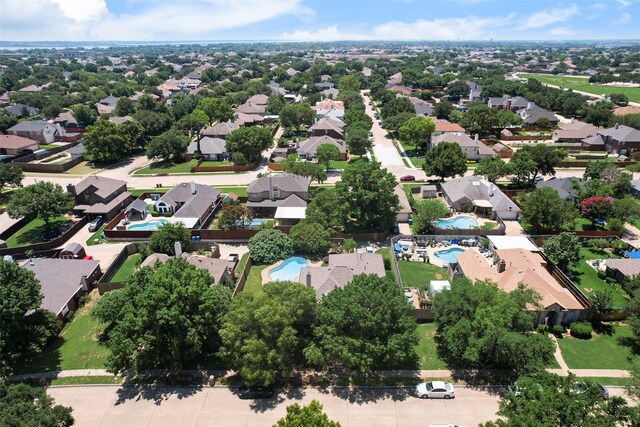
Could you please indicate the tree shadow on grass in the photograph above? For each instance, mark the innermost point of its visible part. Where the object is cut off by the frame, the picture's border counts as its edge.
(47, 360)
(632, 343)
(603, 328)
(42, 233)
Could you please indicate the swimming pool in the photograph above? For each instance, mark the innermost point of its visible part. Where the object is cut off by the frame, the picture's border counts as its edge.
(289, 269)
(254, 223)
(461, 222)
(449, 256)
(148, 226)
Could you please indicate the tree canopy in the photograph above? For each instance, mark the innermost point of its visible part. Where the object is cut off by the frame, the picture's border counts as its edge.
(297, 115)
(250, 142)
(269, 246)
(545, 208)
(164, 238)
(25, 405)
(481, 325)
(170, 147)
(426, 212)
(445, 160)
(416, 131)
(167, 315)
(364, 326)
(310, 415)
(44, 200)
(310, 238)
(10, 175)
(326, 153)
(264, 334)
(492, 168)
(563, 250)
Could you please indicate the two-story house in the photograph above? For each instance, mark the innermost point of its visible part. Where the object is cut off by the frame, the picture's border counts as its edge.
(266, 194)
(329, 127)
(38, 130)
(619, 139)
(100, 196)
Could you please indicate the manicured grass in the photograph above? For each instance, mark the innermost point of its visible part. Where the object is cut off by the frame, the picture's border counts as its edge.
(211, 163)
(239, 191)
(583, 224)
(77, 347)
(254, 279)
(419, 274)
(95, 237)
(489, 225)
(127, 268)
(426, 348)
(100, 379)
(46, 146)
(241, 264)
(162, 168)
(417, 162)
(586, 277)
(583, 85)
(386, 256)
(83, 168)
(36, 232)
(602, 351)
(140, 192)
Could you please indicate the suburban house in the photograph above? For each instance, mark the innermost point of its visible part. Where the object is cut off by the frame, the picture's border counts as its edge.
(619, 139)
(475, 91)
(308, 148)
(532, 114)
(66, 120)
(322, 107)
(38, 130)
(266, 194)
(21, 110)
(99, 196)
(404, 214)
(398, 89)
(506, 103)
(510, 267)
(498, 103)
(63, 281)
(474, 149)
(252, 108)
(107, 105)
(217, 268)
(191, 203)
(340, 271)
(395, 78)
(327, 126)
(118, 120)
(575, 131)
(244, 119)
(214, 149)
(481, 196)
(219, 130)
(564, 186)
(445, 126)
(422, 107)
(623, 268)
(15, 145)
(259, 99)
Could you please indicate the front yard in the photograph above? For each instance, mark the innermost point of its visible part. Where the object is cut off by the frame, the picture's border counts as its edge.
(77, 347)
(37, 231)
(419, 274)
(602, 351)
(586, 277)
(427, 349)
(157, 168)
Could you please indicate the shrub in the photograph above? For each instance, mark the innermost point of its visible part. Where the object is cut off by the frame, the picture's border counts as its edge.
(581, 329)
(558, 329)
(542, 328)
(616, 224)
(269, 246)
(597, 244)
(602, 275)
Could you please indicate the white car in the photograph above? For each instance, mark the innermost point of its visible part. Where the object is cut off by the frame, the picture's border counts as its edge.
(435, 390)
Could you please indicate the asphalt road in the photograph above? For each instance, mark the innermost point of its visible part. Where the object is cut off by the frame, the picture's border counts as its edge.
(116, 406)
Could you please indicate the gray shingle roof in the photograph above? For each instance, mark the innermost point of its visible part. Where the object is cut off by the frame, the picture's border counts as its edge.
(193, 205)
(208, 145)
(285, 181)
(564, 186)
(622, 133)
(30, 126)
(474, 188)
(311, 145)
(103, 186)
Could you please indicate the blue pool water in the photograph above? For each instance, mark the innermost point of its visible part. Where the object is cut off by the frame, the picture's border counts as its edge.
(148, 226)
(289, 269)
(449, 256)
(460, 222)
(254, 223)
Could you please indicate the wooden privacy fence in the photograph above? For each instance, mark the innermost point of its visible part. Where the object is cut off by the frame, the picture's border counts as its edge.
(51, 244)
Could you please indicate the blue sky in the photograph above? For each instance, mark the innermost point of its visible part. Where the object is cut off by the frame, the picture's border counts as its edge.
(89, 20)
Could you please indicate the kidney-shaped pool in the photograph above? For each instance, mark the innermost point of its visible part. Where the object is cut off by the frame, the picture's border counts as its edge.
(289, 270)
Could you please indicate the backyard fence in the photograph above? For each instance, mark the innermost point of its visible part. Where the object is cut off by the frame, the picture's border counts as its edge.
(51, 244)
(242, 279)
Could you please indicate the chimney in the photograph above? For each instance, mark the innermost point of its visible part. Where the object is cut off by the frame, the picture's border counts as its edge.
(308, 279)
(476, 138)
(193, 187)
(270, 187)
(528, 105)
(502, 266)
(616, 125)
(71, 189)
(508, 104)
(177, 247)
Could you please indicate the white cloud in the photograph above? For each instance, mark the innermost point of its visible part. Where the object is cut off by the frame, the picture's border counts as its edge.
(562, 32)
(549, 16)
(624, 3)
(625, 18)
(469, 28)
(176, 20)
(598, 6)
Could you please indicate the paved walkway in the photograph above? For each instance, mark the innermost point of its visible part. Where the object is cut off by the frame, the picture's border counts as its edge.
(405, 157)
(558, 355)
(6, 222)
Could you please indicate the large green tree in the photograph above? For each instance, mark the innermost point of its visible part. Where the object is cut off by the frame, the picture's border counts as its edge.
(250, 142)
(310, 238)
(216, 109)
(544, 157)
(426, 212)
(357, 139)
(364, 326)
(297, 115)
(166, 316)
(43, 200)
(480, 325)
(480, 119)
(310, 415)
(328, 209)
(170, 147)
(563, 250)
(264, 334)
(24, 405)
(396, 106)
(492, 168)
(545, 208)
(551, 400)
(416, 131)
(269, 246)
(25, 327)
(103, 141)
(164, 238)
(326, 153)
(445, 160)
(10, 175)
(368, 191)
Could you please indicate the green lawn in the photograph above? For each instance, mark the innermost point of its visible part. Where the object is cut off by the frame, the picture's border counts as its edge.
(97, 379)
(83, 168)
(77, 347)
(417, 161)
(162, 168)
(243, 261)
(583, 85)
(95, 237)
(127, 268)
(426, 349)
(386, 256)
(36, 232)
(239, 191)
(47, 146)
(211, 163)
(586, 277)
(602, 351)
(419, 274)
(341, 164)
(254, 279)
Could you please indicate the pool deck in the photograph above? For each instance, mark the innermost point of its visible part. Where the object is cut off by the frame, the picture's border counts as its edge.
(479, 219)
(431, 253)
(266, 276)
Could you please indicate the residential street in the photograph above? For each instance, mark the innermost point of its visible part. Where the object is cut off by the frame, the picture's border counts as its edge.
(116, 406)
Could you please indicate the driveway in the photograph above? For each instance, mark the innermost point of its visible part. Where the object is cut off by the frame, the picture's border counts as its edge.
(163, 406)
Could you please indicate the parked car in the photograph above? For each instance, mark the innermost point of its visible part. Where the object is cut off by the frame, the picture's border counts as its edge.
(370, 133)
(96, 223)
(583, 387)
(408, 178)
(435, 390)
(395, 229)
(232, 258)
(517, 388)
(246, 392)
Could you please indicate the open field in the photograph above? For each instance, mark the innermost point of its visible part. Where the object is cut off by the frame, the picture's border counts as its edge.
(583, 85)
